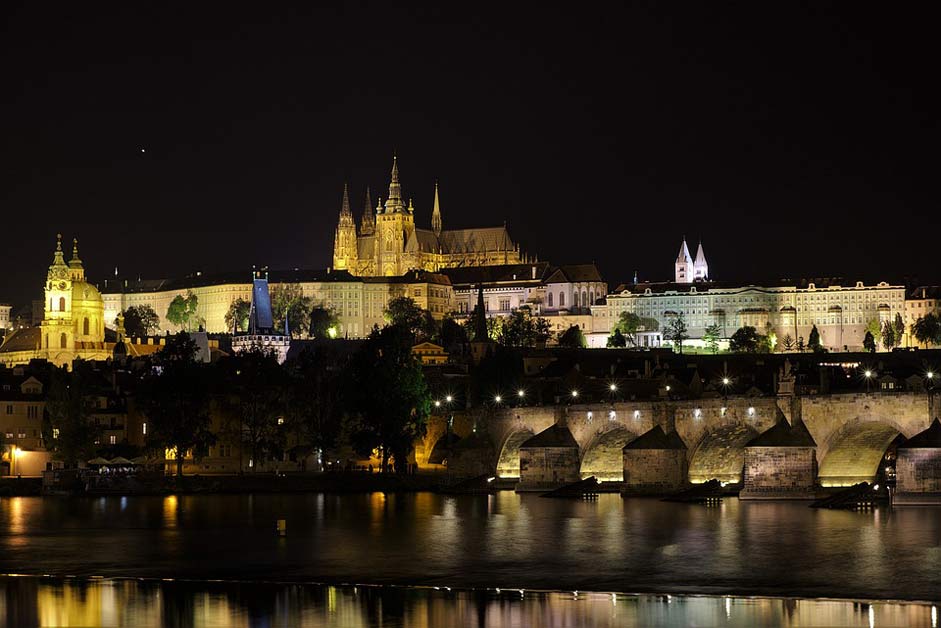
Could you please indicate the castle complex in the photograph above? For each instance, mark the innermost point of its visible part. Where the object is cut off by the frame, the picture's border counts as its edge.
(386, 256)
(389, 244)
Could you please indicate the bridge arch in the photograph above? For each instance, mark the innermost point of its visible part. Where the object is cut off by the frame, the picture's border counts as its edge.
(603, 457)
(853, 453)
(720, 453)
(508, 462)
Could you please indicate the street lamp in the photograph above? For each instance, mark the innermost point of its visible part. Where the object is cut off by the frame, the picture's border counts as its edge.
(613, 387)
(449, 398)
(868, 375)
(574, 394)
(521, 393)
(497, 399)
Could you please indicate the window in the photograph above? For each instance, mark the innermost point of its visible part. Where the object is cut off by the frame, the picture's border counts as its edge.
(504, 305)
(61, 304)
(113, 439)
(85, 326)
(55, 432)
(21, 434)
(550, 299)
(63, 340)
(9, 409)
(561, 299)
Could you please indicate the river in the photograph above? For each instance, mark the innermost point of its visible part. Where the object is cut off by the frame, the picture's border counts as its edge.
(481, 543)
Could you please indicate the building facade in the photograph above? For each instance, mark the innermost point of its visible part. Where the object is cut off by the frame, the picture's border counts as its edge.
(388, 243)
(840, 310)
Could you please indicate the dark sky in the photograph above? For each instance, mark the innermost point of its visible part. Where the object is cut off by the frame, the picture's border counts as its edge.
(793, 141)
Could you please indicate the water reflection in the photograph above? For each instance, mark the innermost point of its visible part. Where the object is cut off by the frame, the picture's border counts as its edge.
(502, 540)
(72, 602)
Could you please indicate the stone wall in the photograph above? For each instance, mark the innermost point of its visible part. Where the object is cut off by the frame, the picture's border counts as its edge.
(654, 470)
(918, 476)
(779, 473)
(543, 468)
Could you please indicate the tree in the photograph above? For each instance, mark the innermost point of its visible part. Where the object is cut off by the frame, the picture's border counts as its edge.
(404, 312)
(869, 343)
(899, 328)
(312, 401)
(236, 318)
(67, 426)
(452, 336)
(572, 338)
(711, 336)
(745, 340)
(522, 329)
(813, 342)
(324, 322)
(888, 335)
(256, 396)
(174, 396)
(140, 321)
(182, 312)
(788, 343)
(288, 302)
(630, 323)
(388, 401)
(617, 339)
(874, 327)
(676, 332)
(927, 329)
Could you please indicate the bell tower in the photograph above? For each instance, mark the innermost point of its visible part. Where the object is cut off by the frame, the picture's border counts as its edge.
(57, 328)
(394, 224)
(344, 243)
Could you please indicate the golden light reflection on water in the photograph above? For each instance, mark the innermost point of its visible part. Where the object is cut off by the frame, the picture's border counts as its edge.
(30, 601)
(171, 507)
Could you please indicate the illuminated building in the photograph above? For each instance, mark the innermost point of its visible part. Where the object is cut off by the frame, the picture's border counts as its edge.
(261, 332)
(389, 244)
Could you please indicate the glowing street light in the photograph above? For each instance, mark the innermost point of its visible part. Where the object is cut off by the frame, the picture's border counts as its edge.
(613, 387)
(520, 393)
(437, 403)
(574, 394)
(726, 381)
(497, 399)
(449, 398)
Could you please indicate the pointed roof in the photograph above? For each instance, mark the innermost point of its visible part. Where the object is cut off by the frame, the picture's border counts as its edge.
(346, 214)
(480, 317)
(436, 214)
(683, 257)
(656, 438)
(76, 261)
(394, 203)
(783, 434)
(700, 256)
(928, 439)
(58, 258)
(553, 436)
(368, 223)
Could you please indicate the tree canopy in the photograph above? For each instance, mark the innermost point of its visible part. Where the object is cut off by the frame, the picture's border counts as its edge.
(388, 401)
(236, 318)
(927, 329)
(67, 426)
(140, 321)
(288, 302)
(676, 332)
(324, 322)
(182, 312)
(522, 329)
(573, 338)
(745, 340)
(404, 312)
(174, 396)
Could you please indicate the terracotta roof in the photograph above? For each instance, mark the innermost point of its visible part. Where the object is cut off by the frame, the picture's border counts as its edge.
(928, 439)
(656, 438)
(28, 339)
(783, 434)
(553, 436)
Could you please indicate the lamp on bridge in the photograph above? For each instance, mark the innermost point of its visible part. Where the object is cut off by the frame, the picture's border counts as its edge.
(868, 375)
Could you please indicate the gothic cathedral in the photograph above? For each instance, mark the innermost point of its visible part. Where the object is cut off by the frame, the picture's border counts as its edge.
(388, 243)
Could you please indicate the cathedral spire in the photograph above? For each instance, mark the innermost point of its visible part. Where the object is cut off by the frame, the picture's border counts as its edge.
(58, 258)
(75, 262)
(346, 215)
(394, 203)
(368, 224)
(436, 214)
(480, 319)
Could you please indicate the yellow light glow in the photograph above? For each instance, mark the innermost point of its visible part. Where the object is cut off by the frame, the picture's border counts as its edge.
(332, 332)
(613, 387)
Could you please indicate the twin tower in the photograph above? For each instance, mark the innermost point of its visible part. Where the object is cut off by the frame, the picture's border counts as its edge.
(688, 270)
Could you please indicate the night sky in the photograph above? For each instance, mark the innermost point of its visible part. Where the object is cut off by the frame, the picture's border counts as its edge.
(794, 142)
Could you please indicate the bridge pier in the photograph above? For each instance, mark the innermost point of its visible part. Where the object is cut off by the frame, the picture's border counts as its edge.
(655, 463)
(781, 463)
(918, 468)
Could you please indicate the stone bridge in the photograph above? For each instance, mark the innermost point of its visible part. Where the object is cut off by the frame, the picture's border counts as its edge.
(852, 431)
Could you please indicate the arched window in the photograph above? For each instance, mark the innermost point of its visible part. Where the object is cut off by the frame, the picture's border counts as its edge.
(47, 341)
(550, 299)
(85, 326)
(585, 298)
(63, 340)
(591, 298)
(561, 299)
(61, 304)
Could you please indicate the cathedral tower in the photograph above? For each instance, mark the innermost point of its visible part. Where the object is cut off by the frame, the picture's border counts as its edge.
(700, 267)
(684, 265)
(368, 224)
(394, 225)
(344, 243)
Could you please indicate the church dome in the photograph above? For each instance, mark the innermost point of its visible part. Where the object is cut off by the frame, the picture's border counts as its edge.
(84, 292)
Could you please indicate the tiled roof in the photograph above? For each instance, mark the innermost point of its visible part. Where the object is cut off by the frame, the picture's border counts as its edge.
(575, 273)
(28, 339)
(504, 273)
(487, 239)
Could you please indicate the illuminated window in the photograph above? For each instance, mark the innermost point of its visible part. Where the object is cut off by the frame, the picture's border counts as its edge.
(55, 432)
(113, 439)
(61, 304)
(144, 429)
